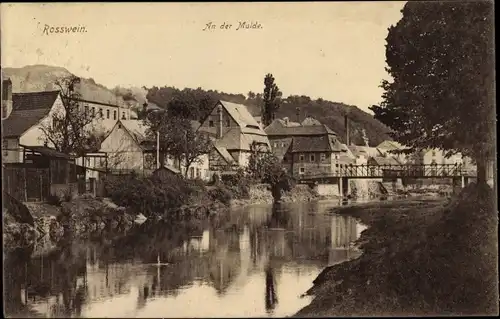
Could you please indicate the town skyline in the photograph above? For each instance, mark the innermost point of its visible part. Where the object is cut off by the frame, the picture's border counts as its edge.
(225, 60)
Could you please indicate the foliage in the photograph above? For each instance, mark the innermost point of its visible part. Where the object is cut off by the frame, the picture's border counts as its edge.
(54, 200)
(70, 130)
(419, 259)
(151, 196)
(272, 97)
(440, 56)
(177, 137)
(265, 167)
(220, 193)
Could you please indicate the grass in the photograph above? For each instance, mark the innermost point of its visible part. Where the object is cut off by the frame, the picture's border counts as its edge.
(420, 257)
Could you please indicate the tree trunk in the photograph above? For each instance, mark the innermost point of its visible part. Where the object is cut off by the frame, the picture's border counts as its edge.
(481, 171)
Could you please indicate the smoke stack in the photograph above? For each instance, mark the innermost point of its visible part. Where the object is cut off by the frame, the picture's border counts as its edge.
(219, 122)
(6, 98)
(346, 123)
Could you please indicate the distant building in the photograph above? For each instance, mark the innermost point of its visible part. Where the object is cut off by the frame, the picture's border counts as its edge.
(233, 130)
(312, 149)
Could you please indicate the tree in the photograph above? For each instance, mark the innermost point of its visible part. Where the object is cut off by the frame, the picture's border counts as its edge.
(272, 96)
(440, 56)
(266, 168)
(177, 138)
(71, 129)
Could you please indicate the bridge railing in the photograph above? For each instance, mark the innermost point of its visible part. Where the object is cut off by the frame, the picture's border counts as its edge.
(402, 170)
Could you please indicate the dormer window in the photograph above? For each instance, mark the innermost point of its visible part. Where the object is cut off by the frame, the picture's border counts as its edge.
(123, 115)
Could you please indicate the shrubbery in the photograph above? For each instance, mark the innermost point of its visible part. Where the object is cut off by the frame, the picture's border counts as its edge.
(152, 195)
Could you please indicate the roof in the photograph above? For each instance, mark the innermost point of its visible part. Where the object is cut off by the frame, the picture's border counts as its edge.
(237, 139)
(47, 151)
(168, 168)
(323, 143)
(309, 121)
(390, 145)
(28, 109)
(240, 114)
(366, 151)
(298, 130)
(136, 128)
(224, 153)
(385, 160)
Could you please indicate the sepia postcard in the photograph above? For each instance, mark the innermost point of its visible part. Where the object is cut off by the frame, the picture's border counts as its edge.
(249, 159)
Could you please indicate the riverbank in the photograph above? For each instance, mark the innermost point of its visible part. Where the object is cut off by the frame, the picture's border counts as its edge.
(420, 257)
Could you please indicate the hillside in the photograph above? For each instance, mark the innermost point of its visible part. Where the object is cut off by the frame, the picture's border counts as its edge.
(329, 113)
(34, 78)
(42, 77)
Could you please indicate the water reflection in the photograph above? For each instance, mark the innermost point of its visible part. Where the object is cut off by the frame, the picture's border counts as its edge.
(256, 263)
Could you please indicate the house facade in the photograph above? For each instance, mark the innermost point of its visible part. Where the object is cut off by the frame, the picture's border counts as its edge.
(234, 131)
(306, 150)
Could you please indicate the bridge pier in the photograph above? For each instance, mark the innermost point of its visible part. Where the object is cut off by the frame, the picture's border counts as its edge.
(344, 186)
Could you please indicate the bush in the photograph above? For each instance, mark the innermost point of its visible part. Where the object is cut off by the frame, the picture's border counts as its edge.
(54, 200)
(221, 194)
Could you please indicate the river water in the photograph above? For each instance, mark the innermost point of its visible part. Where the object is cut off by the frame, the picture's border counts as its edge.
(256, 262)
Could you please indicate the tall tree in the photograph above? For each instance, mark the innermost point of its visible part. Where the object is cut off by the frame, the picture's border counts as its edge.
(440, 56)
(272, 97)
(71, 129)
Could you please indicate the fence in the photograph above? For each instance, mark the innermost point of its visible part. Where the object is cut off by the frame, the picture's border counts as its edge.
(26, 183)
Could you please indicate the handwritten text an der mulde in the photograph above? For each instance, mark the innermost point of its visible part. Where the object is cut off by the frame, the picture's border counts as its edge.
(243, 25)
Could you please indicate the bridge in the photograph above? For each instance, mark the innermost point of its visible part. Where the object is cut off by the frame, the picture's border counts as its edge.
(393, 171)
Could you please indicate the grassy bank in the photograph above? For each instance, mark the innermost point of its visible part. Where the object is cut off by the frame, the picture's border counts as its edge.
(420, 257)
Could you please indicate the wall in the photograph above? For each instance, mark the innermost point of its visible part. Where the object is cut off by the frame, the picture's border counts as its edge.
(10, 151)
(317, 166)
(214, 117)
(279, 145)
(34, 136)
(439, 157)
(120, 112)
(328, 189)
(123, 151)
(198, 169)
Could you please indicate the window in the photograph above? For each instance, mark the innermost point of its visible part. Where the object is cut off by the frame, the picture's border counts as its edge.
(107, 114)
(275, 144)
(198, 173)
(323, 156)
(312, 158)
(433, 153)
(285, 159)
(93, 111)
(301, 157)
(282, 144)
(123, 115)
(228, 123)
(211, 123)
(191, 172)
(302, 170)
(100, 113)
(86, 110)
(114, 115)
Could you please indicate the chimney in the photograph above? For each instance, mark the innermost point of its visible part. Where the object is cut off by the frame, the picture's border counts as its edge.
(346, 123)
(6, 98)
(297, 109)
(219, 121)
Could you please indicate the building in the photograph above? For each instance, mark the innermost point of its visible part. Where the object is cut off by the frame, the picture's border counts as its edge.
(389, 147)
(312, 149)
(363, 153)
(127, 149)
(234, 131)
(25, 115)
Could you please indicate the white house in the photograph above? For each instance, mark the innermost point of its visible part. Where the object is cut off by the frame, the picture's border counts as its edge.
(23, 121)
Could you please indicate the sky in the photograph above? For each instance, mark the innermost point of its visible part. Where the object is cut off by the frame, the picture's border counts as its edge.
(334, 50)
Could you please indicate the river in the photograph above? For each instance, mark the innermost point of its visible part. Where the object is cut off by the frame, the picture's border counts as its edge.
(255, 262)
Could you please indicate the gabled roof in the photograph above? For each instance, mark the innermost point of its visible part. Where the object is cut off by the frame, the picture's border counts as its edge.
(240, 114)
(298, 130)
(136, 128)
(28, 109)
(224, 153)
